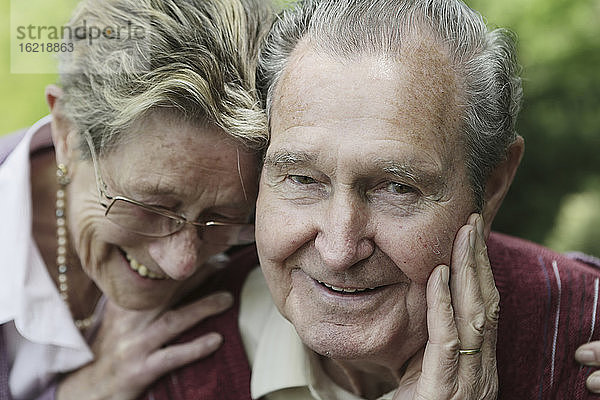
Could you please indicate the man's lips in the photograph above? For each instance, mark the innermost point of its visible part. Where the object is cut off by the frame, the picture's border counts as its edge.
(346, 290)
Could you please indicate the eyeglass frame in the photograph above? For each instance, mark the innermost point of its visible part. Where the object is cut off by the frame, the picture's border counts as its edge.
(180, 218)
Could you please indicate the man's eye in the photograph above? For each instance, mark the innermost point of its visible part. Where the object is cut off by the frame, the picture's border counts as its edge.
(301, 179)
(398, 188)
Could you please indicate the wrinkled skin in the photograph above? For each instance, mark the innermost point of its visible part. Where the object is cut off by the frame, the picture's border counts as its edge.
(193, 169)
(365, 224)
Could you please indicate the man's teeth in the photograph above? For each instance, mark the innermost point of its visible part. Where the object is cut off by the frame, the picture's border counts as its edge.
(141, 269)
(343, 290)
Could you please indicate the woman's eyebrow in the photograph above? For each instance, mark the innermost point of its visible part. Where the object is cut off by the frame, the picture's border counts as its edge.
(152, 188)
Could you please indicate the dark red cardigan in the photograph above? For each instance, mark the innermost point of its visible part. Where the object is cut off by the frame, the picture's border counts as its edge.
(548, 304)
(225, 375)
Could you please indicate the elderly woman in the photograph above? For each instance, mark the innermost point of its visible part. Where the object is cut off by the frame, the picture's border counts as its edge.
(122, 202)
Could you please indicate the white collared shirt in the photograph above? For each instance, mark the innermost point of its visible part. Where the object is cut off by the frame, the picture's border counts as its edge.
(41, 337)
(282, 367)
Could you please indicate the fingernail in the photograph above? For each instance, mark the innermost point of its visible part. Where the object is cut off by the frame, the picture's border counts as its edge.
(472, 238)
(224, 299)
(213, 339)
(593, 383)
(479, 226)
(445, 274)
(585, 356)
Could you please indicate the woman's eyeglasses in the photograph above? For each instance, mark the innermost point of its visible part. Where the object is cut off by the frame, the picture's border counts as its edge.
(153, 221)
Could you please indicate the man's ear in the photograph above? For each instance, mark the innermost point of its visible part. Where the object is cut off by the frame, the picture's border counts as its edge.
(61, 127)
(500, 180)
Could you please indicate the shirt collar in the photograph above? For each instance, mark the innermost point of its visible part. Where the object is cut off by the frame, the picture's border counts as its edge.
(27, 294)
(281, 360)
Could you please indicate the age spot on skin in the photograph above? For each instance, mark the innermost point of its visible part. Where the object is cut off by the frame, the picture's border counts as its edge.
(435, 248)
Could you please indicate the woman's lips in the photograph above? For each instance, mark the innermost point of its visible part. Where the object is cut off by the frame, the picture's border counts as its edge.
(142, 270)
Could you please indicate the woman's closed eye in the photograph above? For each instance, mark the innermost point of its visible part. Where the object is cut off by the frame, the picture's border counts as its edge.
(228, 219)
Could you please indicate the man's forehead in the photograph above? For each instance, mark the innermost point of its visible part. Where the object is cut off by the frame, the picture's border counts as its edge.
(398, 96)
(418, 57)
(420, 78)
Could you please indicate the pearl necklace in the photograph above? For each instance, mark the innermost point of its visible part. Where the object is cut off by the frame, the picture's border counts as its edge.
(62, 241)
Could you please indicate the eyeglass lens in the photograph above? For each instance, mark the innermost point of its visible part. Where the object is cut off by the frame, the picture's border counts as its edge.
(145, 221)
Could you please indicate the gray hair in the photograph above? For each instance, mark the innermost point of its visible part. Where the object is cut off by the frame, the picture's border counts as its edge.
(195, 59)
(484, 60)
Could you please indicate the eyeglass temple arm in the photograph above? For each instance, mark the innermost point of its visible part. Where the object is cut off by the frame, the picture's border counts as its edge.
(99, 182)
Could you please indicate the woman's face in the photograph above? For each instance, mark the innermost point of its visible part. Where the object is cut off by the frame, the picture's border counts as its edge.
(197, 171)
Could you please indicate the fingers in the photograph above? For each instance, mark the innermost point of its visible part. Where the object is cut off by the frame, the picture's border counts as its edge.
(589, 354)
(593, 382)
(476, 305)
(462, 314)
(440, 361)
(467, 300)
(490, 294)
(129, 347)
(174, 322)
(491, 302)
(175, 356)
(469, 309)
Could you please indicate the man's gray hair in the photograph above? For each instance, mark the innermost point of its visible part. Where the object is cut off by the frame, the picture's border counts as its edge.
(194, 59)
(484, 59)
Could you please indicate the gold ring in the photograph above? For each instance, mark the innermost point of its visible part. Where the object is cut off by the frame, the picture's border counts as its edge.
(469, 352)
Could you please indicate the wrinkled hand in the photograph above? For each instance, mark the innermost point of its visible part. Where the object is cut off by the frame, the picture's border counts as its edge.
(130, 354)
(589, 354)
(462, 314)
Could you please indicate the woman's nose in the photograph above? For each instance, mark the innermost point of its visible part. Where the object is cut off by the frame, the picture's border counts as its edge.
(177, 254)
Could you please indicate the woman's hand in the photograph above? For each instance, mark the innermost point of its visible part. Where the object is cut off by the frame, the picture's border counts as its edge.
(130, 354)
(459, 361)
(589, 355)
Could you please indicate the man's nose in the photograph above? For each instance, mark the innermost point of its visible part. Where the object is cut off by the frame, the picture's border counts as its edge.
(177, 254)
(342, 239)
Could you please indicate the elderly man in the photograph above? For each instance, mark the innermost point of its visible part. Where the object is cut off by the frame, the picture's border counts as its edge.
(392, 146)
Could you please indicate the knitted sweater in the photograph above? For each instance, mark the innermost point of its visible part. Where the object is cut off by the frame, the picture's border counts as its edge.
(224, 375)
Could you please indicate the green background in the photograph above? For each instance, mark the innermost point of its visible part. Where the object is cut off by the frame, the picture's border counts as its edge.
(555, 199)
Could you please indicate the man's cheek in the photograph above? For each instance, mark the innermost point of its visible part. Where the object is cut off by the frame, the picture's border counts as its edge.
(279, 233)
(418, 257)
(420, 270)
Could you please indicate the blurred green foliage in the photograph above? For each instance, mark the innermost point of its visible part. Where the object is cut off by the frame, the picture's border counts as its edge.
(556, 195)
(578, 220)
(22, 101)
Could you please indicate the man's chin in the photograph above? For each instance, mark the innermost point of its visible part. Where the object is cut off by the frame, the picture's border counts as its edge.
(340, 342)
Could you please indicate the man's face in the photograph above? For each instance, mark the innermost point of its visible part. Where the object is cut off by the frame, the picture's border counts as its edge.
(363, 190)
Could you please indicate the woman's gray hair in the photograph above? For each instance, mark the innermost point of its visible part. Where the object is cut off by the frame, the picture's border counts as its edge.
(195, 59)
(484, 59)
